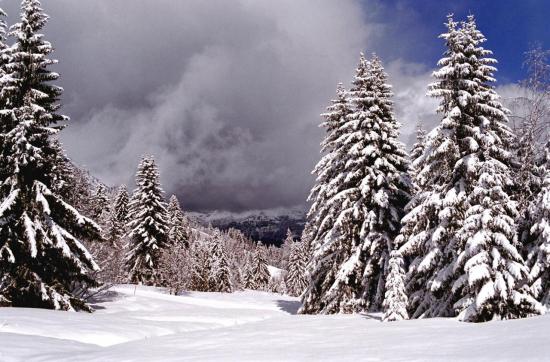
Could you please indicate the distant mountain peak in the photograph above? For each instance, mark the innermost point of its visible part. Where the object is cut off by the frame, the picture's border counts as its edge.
(269, 226)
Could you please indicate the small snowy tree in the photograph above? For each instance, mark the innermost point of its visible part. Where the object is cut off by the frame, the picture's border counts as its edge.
(148, 225)
(296, 278)
(248, 276)
(395, 301)
(220, 275)
(286, 249)
(100, 203)
(41, 252)
(176, 268)
(118, 218)
(178, 223)
(260, 271)
(200, 267)
(359, 199)
(417, 150)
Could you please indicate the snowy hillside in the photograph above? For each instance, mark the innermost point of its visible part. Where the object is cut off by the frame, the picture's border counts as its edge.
(251, 326)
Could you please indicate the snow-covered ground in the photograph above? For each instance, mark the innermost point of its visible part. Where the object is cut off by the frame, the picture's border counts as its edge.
(251, 326)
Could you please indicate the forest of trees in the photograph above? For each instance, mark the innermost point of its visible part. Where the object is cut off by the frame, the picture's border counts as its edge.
(64, 235)
(457, 227)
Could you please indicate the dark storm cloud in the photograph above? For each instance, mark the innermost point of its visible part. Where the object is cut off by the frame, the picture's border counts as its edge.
(225, 94)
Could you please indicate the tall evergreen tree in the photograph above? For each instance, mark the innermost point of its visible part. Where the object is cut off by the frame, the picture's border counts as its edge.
(148, 225)
(179, 225)
(460, 233)
(362, 189)
(41, 252)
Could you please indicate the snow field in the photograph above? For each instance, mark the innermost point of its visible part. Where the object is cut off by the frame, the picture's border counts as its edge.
(251, 326)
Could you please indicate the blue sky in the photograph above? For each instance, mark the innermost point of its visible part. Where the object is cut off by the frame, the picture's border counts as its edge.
(509, 25)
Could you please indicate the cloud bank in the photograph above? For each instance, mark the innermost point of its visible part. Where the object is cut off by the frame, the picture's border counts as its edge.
(225, 94)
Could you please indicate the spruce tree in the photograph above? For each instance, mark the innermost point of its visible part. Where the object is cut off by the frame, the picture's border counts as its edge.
(248, 276)
(259, 270)
(417, 150)
(41, 252)
(296, 278)
(119, 215)
(220, 275)
(286, 249)
(201, 268)
(29, 65)
(148, 225)
(395, 300)
(460, 232)
(359, 199)
(178, 223)
(100, 203)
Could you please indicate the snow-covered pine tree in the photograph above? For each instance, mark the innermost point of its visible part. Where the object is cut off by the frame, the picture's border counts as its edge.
(179, 225)
(296, 278)
(148, 225)
(248, 276)
(395, 300)
(460, 233)
(359, 199)
(41, 252)
(30, 64)
(260, 271)
(538, 259)
(276, 285)
(418, 148)
(118, 218)
(176, 268)
(200, 268)
(492, 272)
(111, 255)
(286, 249)
(100, 203)
(220, 275)
(427, 235)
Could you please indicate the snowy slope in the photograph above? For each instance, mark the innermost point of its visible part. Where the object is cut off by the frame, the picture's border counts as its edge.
(251, 326)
